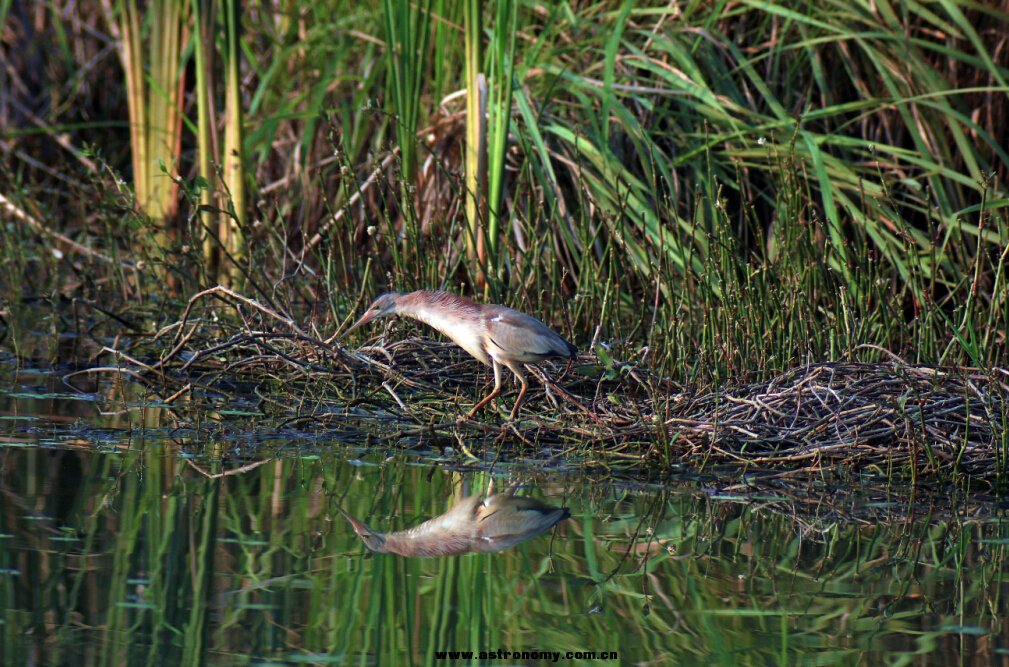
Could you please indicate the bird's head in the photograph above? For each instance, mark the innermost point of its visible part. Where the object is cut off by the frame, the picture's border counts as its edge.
(383, 306)
(372, 539)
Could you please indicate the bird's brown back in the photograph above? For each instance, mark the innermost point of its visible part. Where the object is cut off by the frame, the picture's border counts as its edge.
(524, 337)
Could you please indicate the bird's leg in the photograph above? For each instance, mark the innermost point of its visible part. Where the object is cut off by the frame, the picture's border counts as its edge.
(491, 396)
(518, 401)
(520, 376)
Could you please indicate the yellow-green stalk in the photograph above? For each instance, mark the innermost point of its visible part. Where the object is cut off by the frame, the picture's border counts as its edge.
(203, 49)
(155, 108)
(232, 223)
(476, 100)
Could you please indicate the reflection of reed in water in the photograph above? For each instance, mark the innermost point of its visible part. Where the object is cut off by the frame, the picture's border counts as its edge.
(474, 524)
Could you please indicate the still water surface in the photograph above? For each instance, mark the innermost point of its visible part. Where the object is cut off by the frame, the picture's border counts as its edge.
(118, 545)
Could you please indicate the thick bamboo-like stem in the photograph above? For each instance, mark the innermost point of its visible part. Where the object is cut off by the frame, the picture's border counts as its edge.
(233, 222)
(154, 107)
(476, 105)
(203, 16)
(136, 101)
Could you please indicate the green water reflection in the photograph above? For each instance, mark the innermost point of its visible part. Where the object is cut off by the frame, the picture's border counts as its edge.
(137, 558)
(116, 549)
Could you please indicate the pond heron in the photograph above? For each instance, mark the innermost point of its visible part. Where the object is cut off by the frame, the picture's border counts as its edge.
(496, 335)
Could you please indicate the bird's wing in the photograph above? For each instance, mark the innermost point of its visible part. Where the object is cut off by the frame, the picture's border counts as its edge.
(510, 524)
(524, 338)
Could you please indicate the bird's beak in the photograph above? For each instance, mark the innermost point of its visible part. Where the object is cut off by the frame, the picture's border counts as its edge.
(367, 317)
(359, 526)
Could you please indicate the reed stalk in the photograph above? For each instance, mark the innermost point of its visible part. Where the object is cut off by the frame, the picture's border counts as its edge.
(203, 50)
(407, 30)
(154, 87)
(502, 64)
(232, 224)
(476, 137)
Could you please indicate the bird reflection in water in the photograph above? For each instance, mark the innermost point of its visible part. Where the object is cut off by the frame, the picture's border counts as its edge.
(474, 524)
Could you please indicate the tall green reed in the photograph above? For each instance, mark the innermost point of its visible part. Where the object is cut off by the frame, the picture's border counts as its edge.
(666, 175)
(407, 31)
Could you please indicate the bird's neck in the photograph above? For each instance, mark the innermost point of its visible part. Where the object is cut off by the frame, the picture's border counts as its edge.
(448, 534)
(427, 307)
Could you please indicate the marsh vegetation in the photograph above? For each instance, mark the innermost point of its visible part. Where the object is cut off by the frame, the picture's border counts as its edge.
(777, 232)
(704, 198)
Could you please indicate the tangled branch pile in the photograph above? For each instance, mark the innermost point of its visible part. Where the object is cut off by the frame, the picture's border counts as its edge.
(856, 415)
(892, 417)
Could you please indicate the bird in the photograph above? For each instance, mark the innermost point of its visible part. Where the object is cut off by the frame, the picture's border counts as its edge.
(495, 335)
(474, 524)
